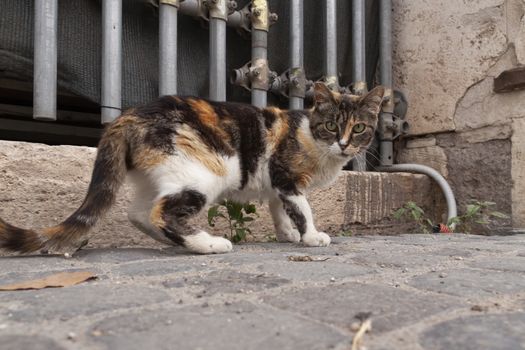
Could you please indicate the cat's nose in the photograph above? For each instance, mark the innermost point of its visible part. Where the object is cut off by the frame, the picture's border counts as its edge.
(342, 144)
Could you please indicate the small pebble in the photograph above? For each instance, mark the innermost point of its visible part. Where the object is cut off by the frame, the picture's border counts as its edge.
(442, 275)
(71, 336)
(227, 303)
(354, 327)
(168, 322)
(203, 264)
(96, 333)
(458, 258)
(67, 255)
(332, 279)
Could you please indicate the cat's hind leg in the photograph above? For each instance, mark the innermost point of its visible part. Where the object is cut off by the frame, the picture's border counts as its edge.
(140, 209)
(170, 215)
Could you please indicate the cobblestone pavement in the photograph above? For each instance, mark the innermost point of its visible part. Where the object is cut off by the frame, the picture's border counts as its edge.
(424, 292)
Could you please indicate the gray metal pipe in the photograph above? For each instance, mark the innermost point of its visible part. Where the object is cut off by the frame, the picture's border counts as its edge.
(217, 79)
(330, 59)
(111, 60)
(434, 175)
(168, 47)
(385, 39)
(386, 149)
(45, 60)
(259, 64)
(296, 49)
(358, 46)
(359, 63)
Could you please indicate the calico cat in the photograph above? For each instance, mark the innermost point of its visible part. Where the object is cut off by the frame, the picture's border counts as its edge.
(184, 153)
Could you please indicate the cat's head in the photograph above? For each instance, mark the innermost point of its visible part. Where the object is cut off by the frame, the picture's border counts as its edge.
(345, 124)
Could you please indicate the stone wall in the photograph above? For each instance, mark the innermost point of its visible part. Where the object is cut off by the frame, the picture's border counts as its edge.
(41, 185)
(446, 57)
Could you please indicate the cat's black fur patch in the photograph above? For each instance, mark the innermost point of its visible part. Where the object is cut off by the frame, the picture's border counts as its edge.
(248, 143)
(295, 214)
(177, 209)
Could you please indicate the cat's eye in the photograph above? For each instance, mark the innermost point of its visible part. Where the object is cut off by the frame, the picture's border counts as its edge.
(330, 126)
(359, 128)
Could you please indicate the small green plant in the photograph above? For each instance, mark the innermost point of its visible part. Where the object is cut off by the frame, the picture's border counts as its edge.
(237, 215)
(415, 213)
(347, 233)
(477, 212)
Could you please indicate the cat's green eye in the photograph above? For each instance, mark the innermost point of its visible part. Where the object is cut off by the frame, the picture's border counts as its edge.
(359, 128)
(330, 126)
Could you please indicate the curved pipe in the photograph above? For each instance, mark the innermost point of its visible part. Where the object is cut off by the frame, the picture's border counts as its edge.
(436, 176)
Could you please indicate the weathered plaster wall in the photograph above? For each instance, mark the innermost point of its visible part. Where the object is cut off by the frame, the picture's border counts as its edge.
(446, 56)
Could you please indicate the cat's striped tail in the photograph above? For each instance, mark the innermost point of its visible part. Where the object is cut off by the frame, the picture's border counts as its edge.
(108, 175)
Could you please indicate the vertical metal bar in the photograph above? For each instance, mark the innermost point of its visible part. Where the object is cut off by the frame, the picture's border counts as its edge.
(385, 77)
(330, 60)
(358, 46)
(259, 52)
(168, 47)
(359, 63)
(111, 60)
(296, 52)
(45, 60)
(218, 16)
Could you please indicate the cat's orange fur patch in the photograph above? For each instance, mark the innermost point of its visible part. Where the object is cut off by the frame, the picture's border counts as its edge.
(53, 231)
(190, 143)
(156, 214)
(208, 117)
(279, 129)
(146, 158)
(305, 164)
(347, 132)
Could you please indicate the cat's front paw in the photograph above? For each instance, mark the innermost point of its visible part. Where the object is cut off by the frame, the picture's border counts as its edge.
(316, 239)
(292, 236)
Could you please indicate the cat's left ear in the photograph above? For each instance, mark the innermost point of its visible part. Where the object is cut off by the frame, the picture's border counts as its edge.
(372, 100)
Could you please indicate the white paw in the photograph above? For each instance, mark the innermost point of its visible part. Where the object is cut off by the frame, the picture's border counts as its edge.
(288, 236)
(204, 243)
(316, 239)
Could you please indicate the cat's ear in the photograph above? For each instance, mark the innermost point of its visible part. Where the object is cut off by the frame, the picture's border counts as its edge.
(323, 95)
(372, 100)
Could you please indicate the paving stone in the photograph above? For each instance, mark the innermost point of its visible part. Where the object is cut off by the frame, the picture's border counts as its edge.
(28, 342)
(510, 263)
(502, 332)
(36, 263)
(155, 268)
(227, 282)
(120, 255)
(238, 326)
(390, 307)
(80, 300)
(314, 270)
(470, 283)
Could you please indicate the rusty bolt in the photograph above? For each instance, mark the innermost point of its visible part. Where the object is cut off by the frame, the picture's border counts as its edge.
(256, 11)
(274, 17)
(295, 81)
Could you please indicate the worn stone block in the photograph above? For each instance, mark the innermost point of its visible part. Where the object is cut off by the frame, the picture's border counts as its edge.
(503, 332)
(238, 326)
(81, 300)
(391, 307)
(470, 283)
(432, 156)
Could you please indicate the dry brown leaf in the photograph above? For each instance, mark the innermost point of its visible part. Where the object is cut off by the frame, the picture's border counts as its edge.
(62, 279)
